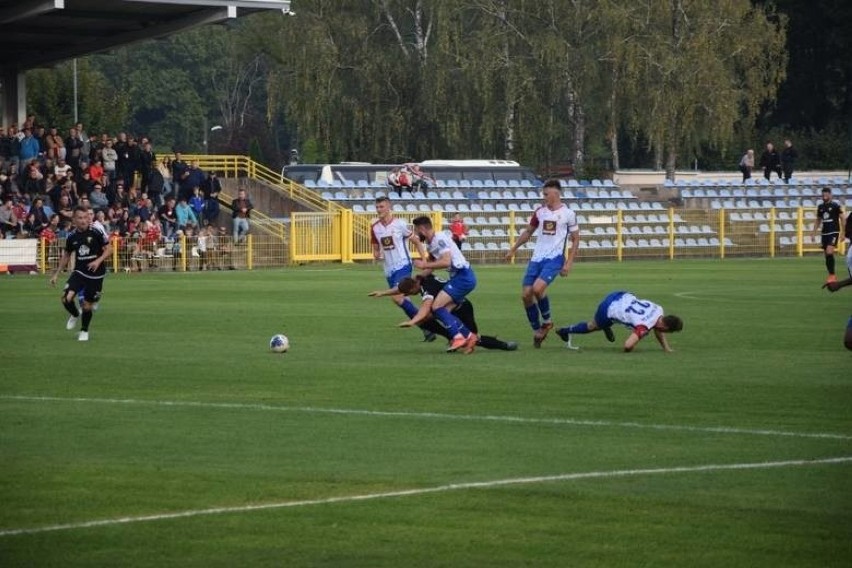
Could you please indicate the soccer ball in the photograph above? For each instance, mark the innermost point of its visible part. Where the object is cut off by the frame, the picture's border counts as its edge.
(279, 343)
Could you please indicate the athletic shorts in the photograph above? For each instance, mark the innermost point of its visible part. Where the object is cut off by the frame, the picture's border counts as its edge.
(88, 289)
(601, 318)
(829, 240)
(397, 276)
(547, 269)
(464, 312)
(460, 285)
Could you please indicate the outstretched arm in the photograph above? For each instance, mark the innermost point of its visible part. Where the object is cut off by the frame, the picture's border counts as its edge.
(380, 293)
(424, 313)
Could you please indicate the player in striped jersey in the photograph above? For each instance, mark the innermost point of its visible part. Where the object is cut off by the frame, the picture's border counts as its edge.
(641, 316)
(552, 223)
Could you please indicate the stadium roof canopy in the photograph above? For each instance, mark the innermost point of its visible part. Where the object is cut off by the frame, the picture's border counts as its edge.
(35, 33)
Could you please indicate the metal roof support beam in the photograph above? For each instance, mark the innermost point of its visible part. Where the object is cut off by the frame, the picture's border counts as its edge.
(159, 30)
(26, 10)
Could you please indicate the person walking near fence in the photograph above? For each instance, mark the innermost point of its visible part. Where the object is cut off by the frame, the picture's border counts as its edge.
(789, 155)
(747, 164)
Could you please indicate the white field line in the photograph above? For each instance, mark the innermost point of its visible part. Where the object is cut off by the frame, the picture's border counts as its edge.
(424, 491)
(435, 416)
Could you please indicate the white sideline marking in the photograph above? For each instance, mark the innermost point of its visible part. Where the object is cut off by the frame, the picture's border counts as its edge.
(424, 491)
(436, 415)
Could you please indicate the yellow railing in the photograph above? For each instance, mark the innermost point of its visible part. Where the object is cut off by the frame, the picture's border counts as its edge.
(232, 167)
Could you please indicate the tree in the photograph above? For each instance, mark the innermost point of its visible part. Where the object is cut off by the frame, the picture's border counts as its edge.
(698, 69)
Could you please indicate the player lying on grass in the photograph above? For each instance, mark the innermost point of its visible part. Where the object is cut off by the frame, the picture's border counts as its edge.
(428, 287)
(641, 316)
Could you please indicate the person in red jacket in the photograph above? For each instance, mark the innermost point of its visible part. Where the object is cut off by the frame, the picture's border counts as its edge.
(458, 230)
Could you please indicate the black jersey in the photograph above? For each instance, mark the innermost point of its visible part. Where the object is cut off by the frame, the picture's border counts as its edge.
(87, 246)
(430, 286)
(829, 213)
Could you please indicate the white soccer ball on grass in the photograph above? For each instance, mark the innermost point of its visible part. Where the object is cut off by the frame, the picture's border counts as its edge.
(279, 343)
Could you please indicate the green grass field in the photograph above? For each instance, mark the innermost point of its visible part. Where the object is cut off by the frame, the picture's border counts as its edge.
(175, 438)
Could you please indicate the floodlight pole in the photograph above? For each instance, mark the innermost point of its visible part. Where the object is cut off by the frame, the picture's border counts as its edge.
(76, 118)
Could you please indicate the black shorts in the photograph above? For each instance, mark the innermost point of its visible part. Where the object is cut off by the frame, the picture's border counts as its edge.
(465, 313)
(88, 289)
(829, 240)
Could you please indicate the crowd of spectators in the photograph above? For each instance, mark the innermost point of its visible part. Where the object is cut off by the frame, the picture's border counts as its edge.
(133, 193)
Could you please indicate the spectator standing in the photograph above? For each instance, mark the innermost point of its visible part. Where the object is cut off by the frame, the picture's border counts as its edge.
(770, 161)
(196, 202)
(212, 187)
(192, 177)
(54, 145)
(458, 230)
(747, 164)
(789, 155)
(110, 157)
(241, 207)
(178, 167)
(147, 159)
(133, 164)
(122, 161)
(73, 150)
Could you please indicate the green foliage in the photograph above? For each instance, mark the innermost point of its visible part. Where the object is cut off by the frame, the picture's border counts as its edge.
(544, 82)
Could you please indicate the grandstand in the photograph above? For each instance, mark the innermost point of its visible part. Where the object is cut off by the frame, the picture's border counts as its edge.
(329, 220)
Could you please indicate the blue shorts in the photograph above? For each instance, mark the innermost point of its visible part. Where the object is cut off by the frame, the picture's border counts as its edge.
(849, 323)
(601, 319)
(546, 269)
(460, 285)
(396, 277)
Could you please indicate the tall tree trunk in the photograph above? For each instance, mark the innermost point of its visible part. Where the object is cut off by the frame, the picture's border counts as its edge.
(671, 151)
(613, 124)
(509, 90)
(579, 138)
(658, 154)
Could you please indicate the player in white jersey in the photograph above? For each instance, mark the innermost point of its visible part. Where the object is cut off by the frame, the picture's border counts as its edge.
(641, 316)
(389, 237)
(552, 223)
(446, 254)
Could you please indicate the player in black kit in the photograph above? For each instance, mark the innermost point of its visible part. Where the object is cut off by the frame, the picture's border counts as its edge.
(828, 215)
(428, 287)
(91, 248)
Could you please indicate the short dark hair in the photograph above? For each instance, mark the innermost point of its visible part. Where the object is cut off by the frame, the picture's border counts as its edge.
(826, 190)
(82, 208)
(408, 286)
(673, 323)
(423, 221)
(381, 198)
(553, 183)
